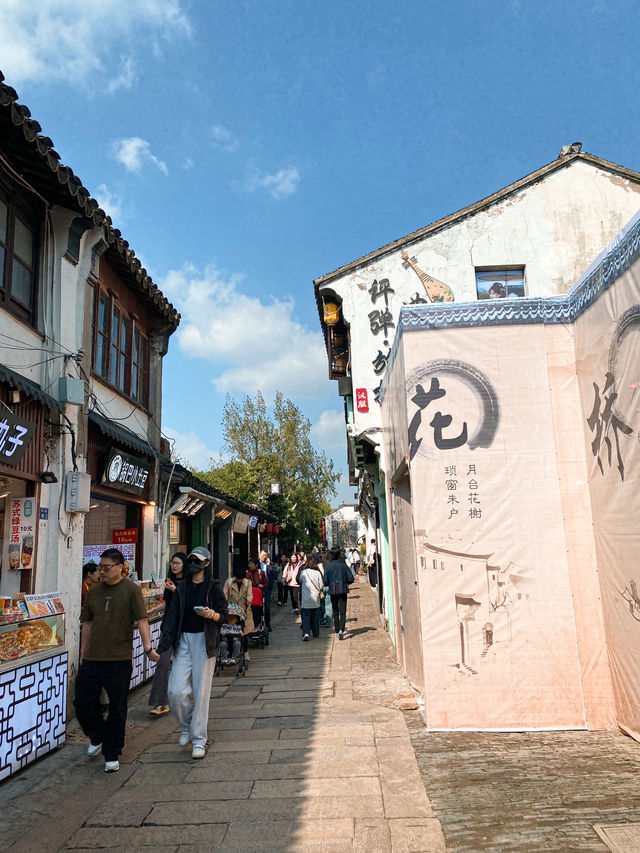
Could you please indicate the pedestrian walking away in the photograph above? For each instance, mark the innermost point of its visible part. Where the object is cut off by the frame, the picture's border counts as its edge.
(191, 629)
(108, 615)
(283, 589)
(159, 695)
(311, 582)
(270, 573)
(259, 585)
(290, 574)
(337, 577)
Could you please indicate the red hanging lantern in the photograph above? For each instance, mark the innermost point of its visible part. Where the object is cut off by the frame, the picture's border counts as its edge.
(276, 529)
(268, 528)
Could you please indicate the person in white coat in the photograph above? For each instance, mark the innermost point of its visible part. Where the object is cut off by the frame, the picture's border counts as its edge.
(311, 581)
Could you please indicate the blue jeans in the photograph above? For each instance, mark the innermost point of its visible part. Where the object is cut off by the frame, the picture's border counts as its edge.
(311, 621)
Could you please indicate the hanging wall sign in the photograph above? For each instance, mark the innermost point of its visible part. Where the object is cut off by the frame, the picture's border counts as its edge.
(15, 436)
(22, 533)
(362, 400)
(126, 472)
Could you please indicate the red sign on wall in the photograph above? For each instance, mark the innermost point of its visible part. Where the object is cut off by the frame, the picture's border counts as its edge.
(122, 537)
(362, 400)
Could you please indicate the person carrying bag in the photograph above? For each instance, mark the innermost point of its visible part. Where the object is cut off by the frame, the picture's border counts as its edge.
(338, 577)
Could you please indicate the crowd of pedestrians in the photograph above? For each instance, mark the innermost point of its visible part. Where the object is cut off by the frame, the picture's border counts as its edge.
(204, 621)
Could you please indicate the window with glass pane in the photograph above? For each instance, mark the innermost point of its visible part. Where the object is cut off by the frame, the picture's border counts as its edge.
(115, 336)
(101, 334)
(144, 371)
(17, 256)
(4, 218)
(500, 284)
(135, 359)
(125, 353)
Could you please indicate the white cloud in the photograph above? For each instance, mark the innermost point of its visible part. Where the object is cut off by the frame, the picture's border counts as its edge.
(190, 447)
(257, 345)
(110, 203)
(187, 164)
(279, 185)
(223, 138)
(72, 39)
(124, 80)
(329, 434)
(134, 152)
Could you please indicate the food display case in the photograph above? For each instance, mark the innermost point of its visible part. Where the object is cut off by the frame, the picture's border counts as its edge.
(143, 668)
(33, 686)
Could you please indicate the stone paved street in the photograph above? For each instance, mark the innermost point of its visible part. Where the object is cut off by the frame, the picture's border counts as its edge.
(309, 753)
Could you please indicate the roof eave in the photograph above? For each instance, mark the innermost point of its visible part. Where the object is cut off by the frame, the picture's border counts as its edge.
(472, 209)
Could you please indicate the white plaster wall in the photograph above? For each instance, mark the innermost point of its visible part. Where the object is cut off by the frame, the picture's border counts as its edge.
(553, 228)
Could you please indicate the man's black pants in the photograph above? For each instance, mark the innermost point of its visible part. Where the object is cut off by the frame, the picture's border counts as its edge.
(339, 605)
(114, 676)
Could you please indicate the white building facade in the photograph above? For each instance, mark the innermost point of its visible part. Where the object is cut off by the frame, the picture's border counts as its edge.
(531, 239)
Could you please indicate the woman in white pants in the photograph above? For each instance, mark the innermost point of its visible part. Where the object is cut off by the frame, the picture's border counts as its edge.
(191, 629)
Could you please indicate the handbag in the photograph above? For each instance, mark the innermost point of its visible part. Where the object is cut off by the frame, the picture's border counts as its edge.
(338, 588)
(315, 586)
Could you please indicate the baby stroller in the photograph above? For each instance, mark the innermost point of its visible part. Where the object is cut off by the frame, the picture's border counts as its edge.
(224, 659)
(260, 636)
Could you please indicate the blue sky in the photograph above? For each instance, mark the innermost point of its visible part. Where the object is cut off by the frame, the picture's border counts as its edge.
(245, 148)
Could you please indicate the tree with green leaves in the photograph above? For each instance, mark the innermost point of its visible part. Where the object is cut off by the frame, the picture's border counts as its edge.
(275, 447)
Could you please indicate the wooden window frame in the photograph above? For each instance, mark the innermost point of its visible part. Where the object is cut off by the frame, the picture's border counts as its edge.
(120, 350)
(17, 208)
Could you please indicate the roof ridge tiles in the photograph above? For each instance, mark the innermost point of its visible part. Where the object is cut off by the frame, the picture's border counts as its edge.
(20, 116)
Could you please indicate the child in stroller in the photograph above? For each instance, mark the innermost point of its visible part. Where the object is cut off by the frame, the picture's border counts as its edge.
(231, 635)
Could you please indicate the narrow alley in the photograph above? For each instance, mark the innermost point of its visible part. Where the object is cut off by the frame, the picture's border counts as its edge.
(309, 753)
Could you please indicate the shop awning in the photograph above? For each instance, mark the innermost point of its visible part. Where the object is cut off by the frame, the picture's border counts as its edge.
(122, 436)
(191, 501)
(32, 389)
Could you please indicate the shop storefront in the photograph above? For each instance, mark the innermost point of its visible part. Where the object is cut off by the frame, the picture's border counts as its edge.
(33, 659)
(122, 515)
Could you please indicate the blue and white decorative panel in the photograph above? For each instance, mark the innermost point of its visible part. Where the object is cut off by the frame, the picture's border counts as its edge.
(137, 674)
(33, 699)
(155, 639)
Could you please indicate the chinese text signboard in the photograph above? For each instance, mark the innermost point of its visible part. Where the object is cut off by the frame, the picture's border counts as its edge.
(126, 472)
(15, 435)
(121, 537)
(362, 400)
(22, 533)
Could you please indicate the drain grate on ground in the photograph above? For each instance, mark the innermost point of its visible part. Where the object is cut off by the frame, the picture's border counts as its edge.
(620, 837)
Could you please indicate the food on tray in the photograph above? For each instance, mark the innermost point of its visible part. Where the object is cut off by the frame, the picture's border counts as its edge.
(27, 639)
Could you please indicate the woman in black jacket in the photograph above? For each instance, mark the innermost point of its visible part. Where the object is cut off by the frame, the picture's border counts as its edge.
(338, 576)
(191, 629)
(159, 696)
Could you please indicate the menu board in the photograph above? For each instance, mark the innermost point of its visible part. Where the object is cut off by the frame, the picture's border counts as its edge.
(22, 533)
(91, 554)
(45, 604)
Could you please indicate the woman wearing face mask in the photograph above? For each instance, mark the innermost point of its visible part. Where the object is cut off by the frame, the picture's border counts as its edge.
(191, 629)
(159, 696)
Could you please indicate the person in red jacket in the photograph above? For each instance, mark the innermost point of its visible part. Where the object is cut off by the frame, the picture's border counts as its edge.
(260, 585)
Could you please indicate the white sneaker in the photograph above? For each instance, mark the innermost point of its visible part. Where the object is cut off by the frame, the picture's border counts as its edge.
(198, 752)
(111, 766)
(93, 749)
(183, 740)
(305, 638)
(340, 635)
